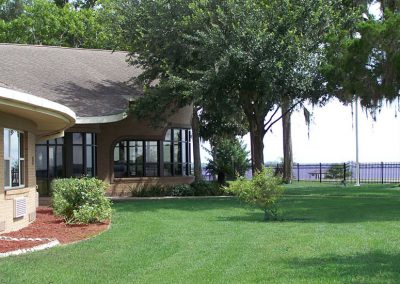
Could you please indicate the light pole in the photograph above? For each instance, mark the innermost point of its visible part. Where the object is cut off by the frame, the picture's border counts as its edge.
(357, 161)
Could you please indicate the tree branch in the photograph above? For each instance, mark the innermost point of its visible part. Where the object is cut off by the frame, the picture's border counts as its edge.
(272, 116)
(284, 114)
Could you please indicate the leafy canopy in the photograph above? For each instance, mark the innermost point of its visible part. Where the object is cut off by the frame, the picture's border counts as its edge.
(247, 53)
(44, 22)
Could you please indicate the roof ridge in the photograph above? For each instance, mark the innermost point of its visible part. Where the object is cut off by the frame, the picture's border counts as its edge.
(63, 47)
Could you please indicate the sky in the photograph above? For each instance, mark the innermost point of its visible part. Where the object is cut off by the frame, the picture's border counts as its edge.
(332, 136)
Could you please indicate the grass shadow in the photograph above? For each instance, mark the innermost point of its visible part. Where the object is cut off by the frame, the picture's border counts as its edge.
(369, 267)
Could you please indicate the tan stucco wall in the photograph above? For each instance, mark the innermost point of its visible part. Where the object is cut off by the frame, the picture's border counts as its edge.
(131, 128)
(7, 221)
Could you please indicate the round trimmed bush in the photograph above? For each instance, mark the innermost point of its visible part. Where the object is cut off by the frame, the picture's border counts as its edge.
(81, 200)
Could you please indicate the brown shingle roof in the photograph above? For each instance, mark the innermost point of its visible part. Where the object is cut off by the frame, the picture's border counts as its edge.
(90, 82)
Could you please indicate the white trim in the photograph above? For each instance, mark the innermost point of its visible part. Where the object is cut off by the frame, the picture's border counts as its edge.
(101, 119)
(23, 100)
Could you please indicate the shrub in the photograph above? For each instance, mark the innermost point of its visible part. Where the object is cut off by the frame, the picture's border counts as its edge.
(207, 188)
(81, 200)
(182, 190)
(262, 191)
(158, 190)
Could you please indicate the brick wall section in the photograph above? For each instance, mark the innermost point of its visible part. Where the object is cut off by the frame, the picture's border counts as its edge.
(124, 187)
(7, 220)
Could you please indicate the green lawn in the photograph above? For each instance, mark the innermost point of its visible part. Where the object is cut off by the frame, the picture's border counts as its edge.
(326, 235)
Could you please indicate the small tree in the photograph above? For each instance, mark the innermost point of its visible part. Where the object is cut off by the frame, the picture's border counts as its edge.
(338, 171)
(262, 191)
(230, 159)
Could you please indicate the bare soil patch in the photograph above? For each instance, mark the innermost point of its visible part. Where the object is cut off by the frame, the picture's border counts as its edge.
(49, 226)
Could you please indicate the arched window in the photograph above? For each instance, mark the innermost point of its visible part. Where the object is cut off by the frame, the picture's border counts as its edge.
(134, 158)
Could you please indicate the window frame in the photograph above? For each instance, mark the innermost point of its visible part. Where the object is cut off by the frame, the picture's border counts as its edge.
(84, 150)
(7, 157)
(56, 144)
(127, 163)
(178, 166)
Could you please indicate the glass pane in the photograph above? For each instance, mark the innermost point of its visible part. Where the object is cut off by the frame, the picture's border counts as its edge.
(136, 170)
(52, 161)
(167, 169)
(21, 145)
(59, 162)
(184, 135)
(89, 161)
(77, 161)
(120, 170)
(168, 135)
(177, 153)
(184, 152)
(151, 152)
(120, 152)
(136, 152)
(177, 135)
(41, 161)
(167, 152)
(151, 170)
(22, 174)
(52, 141)
(60, 141)
(89, 140)
(14, 157)
(6, 173)
(6, 143)
(77, 138)
(15, 174)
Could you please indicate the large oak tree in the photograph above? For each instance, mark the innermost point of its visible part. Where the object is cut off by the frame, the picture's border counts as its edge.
(250, 53)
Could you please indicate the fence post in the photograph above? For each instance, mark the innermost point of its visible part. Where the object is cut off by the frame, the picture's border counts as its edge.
(320, 172)
(344, 172)
(382, 171)
(298, 172)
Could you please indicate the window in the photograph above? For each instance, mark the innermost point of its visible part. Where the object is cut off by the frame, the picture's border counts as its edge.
(14, 162)
(177, 152)
(136, 159)
(50, 159)
(83, 154)
(74, 155)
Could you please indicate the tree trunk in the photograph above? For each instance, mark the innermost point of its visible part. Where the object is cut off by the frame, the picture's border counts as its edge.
(287, 141)
(255, 115)
(221, 178)
(196, 146)
(257, 147)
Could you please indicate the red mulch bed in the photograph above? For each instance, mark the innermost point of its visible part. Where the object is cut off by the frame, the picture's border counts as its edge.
(51, 227)
(6, 245)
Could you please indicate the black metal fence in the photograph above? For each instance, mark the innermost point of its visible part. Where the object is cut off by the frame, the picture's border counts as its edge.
(339, 172)
(345, 172)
